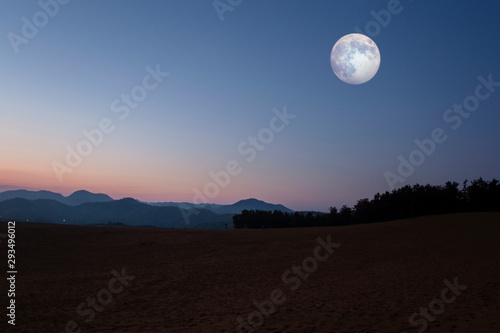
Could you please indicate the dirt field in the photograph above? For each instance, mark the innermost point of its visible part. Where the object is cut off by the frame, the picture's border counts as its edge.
(154, 280)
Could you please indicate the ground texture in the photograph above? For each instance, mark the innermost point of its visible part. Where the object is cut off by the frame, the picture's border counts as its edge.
(203, 281)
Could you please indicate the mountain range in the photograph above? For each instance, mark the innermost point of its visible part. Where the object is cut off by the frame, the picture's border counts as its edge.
(236, 208)
(83, 207)
(75, 199)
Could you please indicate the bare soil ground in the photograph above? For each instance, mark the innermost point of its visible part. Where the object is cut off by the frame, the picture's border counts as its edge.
(203, 281)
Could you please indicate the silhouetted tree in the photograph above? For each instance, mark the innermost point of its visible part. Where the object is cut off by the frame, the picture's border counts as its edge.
(407, 201)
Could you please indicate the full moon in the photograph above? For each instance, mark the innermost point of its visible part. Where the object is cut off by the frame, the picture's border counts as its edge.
(355, 59)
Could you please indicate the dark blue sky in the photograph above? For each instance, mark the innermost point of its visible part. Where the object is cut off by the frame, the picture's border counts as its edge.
(225, 79)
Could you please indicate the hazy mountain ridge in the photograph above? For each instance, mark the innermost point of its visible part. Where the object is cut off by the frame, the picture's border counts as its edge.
(251, 204)
(236, 208)
(83, 207)
(127, 211)
(74, 199)
(186, 205)
(83, 196)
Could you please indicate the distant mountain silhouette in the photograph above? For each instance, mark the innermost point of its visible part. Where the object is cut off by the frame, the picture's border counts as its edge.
(84, 207)
(236, 208)
(31, 195)
(77, 198)
(251, 204)
(186, 205)
(42, 210)
(127, 211)
(82, 196)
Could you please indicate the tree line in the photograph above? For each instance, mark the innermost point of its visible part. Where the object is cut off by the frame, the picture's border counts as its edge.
(405, 202)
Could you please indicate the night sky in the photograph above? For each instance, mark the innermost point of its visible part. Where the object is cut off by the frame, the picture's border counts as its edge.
(255, 69)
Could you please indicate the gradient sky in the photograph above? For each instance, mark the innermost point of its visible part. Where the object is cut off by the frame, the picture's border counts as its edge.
(225, 79)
